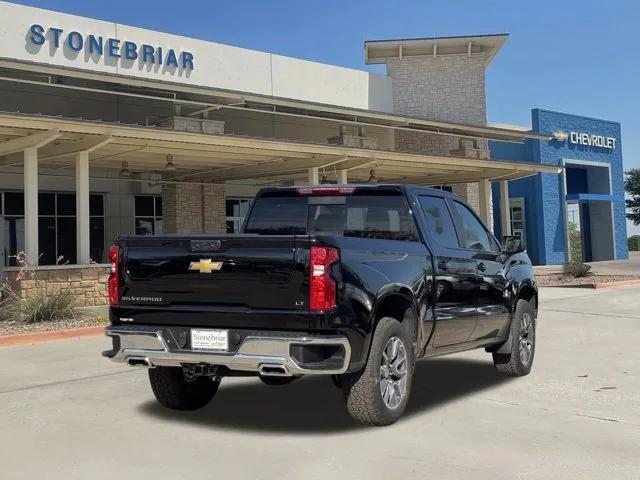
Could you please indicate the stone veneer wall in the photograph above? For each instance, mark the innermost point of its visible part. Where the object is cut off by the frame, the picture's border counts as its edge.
(215, 212)
(88, 283)
(448, 88)
(193, 209)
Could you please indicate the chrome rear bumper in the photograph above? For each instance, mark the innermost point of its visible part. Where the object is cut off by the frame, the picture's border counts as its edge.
(268, 354)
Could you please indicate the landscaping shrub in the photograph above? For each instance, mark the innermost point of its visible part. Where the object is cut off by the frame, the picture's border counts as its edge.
(634, 243)
(576, 269)
(39, 304)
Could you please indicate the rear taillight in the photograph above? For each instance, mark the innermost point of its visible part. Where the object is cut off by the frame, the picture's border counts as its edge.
(112, 283)
(322, 291)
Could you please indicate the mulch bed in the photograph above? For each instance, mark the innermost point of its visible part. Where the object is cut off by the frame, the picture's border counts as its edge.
(15, 328)
(557, 280)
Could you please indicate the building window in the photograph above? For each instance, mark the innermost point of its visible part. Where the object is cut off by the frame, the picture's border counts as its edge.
(237, 209)
(12, 208)
(518, 225)
(148, 215)
(96, 228)
(56, 227)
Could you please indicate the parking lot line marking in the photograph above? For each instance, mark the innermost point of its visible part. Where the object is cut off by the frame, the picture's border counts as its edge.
(61, 382)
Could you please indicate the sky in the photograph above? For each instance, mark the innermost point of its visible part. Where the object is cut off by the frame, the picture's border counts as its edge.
(580, 57)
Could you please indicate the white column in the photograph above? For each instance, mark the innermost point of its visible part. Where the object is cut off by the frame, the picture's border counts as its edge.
(82, 207)
(505, 210)
(314, 177)
(484, 193)
(343, 177)
(31, 205)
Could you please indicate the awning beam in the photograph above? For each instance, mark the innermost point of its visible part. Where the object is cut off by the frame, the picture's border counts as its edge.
(87, 144)
(35, 140)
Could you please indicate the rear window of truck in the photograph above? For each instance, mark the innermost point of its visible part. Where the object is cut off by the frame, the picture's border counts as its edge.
(366, 216)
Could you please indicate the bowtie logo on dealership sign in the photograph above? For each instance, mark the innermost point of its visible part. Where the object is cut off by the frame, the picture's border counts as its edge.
(111, 47)
(560, 136)
(585, 139)
(205, 266)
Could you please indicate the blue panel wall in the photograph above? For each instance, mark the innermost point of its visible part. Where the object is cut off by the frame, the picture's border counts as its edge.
(543, 194)
(553, 153)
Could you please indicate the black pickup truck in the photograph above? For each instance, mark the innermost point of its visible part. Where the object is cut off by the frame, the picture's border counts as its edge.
(355, 282)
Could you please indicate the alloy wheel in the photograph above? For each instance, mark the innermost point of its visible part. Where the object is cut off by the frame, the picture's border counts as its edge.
(526, 339)
(393, 373)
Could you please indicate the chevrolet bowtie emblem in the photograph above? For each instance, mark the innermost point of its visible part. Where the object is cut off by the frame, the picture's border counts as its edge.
(560, 136)
(205, 266)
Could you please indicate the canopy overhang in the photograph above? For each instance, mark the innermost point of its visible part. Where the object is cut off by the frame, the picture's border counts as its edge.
(223, 158)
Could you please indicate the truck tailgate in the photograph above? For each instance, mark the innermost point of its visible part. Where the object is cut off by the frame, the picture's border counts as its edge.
(260, 281)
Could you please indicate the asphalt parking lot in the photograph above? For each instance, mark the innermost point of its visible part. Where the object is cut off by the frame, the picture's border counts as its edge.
(68, 413)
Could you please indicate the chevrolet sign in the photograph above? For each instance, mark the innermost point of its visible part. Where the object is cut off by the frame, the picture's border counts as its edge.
(590, 140)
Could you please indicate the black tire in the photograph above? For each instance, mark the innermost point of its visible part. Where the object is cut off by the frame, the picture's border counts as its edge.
(362, 390)
(275, 381)
(516, 363)
(174, 391)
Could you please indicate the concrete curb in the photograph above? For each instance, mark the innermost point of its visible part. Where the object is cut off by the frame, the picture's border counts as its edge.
(621, 283)
(594, 286)
(41, 337)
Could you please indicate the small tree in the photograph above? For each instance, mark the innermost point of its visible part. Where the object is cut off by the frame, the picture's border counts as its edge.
(575, 267)
(575, 243)
(632, 187)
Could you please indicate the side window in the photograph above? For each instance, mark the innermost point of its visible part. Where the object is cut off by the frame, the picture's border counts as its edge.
(439, 220)
(473, 234)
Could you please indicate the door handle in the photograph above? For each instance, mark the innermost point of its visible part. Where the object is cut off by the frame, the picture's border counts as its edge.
(481, 267)
(443, 265)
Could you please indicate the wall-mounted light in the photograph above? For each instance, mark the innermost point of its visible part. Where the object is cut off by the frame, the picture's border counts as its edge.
(170, 166)
(124, 171)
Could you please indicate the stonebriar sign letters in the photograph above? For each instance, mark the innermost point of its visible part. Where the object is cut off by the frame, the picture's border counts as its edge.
(112, 48)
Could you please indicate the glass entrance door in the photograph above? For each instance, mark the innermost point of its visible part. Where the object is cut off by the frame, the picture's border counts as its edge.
(518, 222)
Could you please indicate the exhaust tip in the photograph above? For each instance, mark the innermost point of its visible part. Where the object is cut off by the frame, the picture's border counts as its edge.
(273, 370)
(137, 362)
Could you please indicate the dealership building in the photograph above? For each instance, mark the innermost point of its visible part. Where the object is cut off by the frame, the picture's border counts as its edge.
(109, 129)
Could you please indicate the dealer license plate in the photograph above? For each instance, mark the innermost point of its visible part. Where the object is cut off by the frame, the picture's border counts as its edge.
(206, 339)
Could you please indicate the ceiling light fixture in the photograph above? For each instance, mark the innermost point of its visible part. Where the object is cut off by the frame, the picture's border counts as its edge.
(170, 166)
(125, 172)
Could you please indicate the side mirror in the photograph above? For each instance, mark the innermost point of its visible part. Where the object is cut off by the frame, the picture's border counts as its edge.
(511, 244)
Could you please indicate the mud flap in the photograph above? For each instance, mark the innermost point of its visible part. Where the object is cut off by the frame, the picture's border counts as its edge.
(506, 347)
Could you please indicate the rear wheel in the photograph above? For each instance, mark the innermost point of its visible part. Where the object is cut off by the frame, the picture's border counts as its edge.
(174, 391)
(519, 361)
(378, 394)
